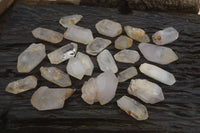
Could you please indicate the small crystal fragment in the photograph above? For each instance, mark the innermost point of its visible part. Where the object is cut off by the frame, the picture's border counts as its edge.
(106, 61)
(123, 42)
(79, 34)
(67, 21)
(56, 76)
(22, 85)
(157, 54)
(157, 73)
(47, 35)
(133, 108)
(63, 53)
(97, 45)
(101, 89)
(109, 28)
(136, 34)
(145, 90)
(127, 56)
(50, 98)
(31, 57)
(165, 36)
(127, 74)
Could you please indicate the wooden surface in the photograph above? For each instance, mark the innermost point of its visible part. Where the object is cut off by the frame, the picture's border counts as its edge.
(4, 4)
(179, 112)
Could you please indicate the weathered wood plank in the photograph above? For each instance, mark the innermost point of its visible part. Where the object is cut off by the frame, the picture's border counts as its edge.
(179, 112)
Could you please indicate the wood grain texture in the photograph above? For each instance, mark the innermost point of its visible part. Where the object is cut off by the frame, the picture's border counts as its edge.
(180, 112)
(4, 4)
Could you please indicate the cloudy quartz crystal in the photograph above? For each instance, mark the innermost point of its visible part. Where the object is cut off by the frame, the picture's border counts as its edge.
(158, 54)
(67, 21)
(127, 74)
(31, 57)
(165, 36)
(47, 35)
(145, 90)
(63, 53)
(123, 42)
(133, 108)
(157, 73)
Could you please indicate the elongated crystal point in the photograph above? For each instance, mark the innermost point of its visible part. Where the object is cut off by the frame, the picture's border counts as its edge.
(67, 21)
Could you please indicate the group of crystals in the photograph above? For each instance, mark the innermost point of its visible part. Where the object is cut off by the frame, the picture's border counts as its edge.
(101, 89)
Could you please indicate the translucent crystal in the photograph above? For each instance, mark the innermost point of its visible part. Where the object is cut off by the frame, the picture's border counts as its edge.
(127, 74)
(56, 76)
(22, 85)
(97, 45)
(157, 54)
(133, 108)
(31, 57)
(109, 28)
(106, 61)
(165, 36)
(123, 42)
(50, 98)
(145, 90)
(79, 34)
(127, 56)
(67, 21)
(136, 34)
(63, 53)
(157, 73)
(47, 35)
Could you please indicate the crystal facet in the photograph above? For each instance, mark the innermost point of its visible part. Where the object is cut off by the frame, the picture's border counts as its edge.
(97, 45)
(56, 76)
(67, 21)
(157, 73)
(106, 61)
(47, 35)
(165, 36)
(50, 98)
(157, 54)
(127, 74)
(145, 90)
(63, 53)
(127, 56)
(133, 108)
(79, 34)
(31, 57)
(109, 28)
(123, 42)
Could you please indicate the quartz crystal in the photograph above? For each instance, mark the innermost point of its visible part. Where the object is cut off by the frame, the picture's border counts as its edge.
(56, 76)
(127, 56)
(47, 35)
(106, 61)
(31, 57)
(123, 42)
(136, 34)
(157, 73)
(109, 28)
(127, 74)
(63, 53)
(79, 34)
(67, 21)
(165, 36)
(101, 89)
(80, 65)
(133, 108)
(145, 90)
(97, 45)
(50, 98)
(157, 54)
(22, 85)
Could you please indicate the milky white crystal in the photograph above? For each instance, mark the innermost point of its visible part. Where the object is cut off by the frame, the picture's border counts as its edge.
(31, 57)
(63, 53)
(127, 74)
(109, 28)
(165, 36)
(22, 85)
(47, 35)
(158, 54)
(67, 21)
(145, 90)
(133, 108)
(123, 42)
(157, 73)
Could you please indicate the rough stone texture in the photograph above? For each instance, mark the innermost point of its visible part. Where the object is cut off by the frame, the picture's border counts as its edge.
(127, 74)
(123, 42)
(67, 21)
